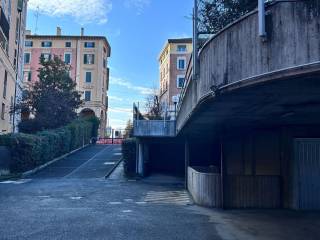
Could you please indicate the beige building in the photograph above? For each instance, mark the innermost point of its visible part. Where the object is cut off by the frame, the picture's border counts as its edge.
(12, 31)
(88, 57)
(173, 61)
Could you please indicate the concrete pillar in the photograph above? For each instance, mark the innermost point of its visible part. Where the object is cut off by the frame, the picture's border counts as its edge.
(223, 174)
(141, 159)
(187, 160)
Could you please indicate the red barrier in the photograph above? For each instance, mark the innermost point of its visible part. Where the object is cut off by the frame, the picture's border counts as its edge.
(110, 141)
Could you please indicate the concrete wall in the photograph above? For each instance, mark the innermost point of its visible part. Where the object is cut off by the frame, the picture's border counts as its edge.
(154, 128)
(205, 187)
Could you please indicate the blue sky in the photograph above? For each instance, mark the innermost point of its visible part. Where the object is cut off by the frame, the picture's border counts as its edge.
(136, 30)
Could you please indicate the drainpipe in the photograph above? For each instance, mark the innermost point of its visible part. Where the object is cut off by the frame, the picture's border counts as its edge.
(17, 75)
(262, 18)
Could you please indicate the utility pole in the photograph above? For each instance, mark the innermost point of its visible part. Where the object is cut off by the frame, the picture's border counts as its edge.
(37, 19)
(195, 41)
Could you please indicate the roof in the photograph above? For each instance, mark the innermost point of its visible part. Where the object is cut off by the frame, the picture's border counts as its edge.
(68, 37)
(174, 40)
(180, 40)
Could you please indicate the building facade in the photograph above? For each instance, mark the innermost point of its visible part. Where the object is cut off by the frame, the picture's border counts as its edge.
(12, 33)
(173, 61)
(88, 58)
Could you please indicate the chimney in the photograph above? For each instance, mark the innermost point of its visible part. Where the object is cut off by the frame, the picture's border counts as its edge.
(58, 31)
(82, 32)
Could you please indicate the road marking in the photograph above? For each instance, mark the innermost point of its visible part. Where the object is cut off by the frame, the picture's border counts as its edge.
(21, 181)
(117, 154)
(109, 163)
(127, 211)
(76, 198)
(141, 203)
(85, 163)
(115, 203)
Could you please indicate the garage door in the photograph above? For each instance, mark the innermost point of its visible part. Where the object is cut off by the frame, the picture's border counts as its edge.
(307, 156)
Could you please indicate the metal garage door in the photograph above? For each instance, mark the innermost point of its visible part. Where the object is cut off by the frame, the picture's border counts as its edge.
(307, 155)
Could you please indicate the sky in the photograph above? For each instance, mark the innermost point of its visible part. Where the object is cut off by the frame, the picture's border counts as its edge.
(136, 30)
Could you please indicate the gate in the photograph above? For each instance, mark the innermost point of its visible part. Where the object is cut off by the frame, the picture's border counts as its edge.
(307, 184)
(110, 141)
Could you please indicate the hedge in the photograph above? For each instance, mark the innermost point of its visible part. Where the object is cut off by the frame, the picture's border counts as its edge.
(129, 156)
(29, 151)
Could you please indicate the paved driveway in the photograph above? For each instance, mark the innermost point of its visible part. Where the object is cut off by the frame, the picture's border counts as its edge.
(72, 200)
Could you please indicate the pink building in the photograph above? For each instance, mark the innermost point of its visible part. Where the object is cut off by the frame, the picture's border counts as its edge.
(88, 58)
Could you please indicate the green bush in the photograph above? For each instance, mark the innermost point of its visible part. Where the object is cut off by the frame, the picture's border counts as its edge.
(129, 156)
(29, 151)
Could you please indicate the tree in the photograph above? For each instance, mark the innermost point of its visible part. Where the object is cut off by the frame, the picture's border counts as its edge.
(154, 107)
(52, 100)
(216, 14)
(128, 132)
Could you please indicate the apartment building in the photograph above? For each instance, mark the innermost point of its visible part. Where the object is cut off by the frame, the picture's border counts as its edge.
(88, 58)
(12, 32)
(173, 62)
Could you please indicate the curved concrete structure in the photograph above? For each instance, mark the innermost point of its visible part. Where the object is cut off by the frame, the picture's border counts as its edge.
(237, 59)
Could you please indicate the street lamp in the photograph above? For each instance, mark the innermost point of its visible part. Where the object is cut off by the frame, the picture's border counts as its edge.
(175, 100)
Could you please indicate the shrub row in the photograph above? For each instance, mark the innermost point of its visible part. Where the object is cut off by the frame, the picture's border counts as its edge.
(129, 156)
(29, 151)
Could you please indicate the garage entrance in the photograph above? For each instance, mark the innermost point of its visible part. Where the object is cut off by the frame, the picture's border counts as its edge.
(307, 172)
(165, 158)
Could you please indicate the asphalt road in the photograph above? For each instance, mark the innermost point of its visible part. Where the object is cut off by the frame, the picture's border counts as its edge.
(71, 199)
(91, 162)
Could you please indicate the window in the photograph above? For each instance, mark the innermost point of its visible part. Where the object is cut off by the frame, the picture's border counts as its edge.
(180, 81)
(46, 44)
(27, 58)
(88, 59)
(89, 44)
(17, 30)
(181, 64)
(3, 110)
(27, 76)
(67, 58)
(46, 56)
(105, 63)
(15, 58)
(88, 77)
(182, 48)
(5, 83)
(68, 44)
(28, 44)
(87, 96)
(11, 106)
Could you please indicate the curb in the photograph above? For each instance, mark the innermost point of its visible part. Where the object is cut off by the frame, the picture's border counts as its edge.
(30, 172)
(113, 168)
